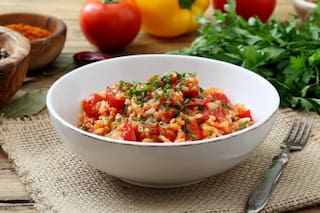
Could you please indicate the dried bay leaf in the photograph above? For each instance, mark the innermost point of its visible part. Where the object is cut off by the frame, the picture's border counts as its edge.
(29, 104)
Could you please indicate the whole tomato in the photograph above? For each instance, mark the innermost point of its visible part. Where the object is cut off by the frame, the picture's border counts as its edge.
(248, 8)
(110, 24)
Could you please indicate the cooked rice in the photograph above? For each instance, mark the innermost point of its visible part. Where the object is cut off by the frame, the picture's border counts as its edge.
(168, 108)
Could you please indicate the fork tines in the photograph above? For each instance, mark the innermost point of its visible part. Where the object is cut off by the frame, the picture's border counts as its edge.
(298, 133)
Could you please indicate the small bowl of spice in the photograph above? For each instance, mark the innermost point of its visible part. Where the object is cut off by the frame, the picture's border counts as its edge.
(14, 62)
(46, 34)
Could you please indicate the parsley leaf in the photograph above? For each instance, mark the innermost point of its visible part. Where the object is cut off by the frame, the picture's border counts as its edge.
(286, 53)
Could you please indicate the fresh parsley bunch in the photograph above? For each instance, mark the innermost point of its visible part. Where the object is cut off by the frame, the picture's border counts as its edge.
(285, 53)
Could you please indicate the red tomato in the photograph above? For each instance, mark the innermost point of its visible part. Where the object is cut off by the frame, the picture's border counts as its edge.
(128, 132)
(113, 101)
(110, 25)
(89, 105)
(193, 131)
(248, 8)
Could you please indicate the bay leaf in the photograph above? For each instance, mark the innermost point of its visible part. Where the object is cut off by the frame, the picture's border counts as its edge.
(29, 104)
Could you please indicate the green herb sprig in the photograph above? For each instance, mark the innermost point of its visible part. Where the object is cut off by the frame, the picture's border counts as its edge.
(285, 53)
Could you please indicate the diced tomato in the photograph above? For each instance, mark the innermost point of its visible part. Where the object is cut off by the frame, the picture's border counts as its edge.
(168, 115)
(221, 96)
(154, 129)
(152, 133)
(114, 101)
(168, 133)
(174, 80)
(89, 105)
(193, 131)
(219, 113)
(245, 114)
(205, 116)
(198, 102)
(192, 92)
(128, 132)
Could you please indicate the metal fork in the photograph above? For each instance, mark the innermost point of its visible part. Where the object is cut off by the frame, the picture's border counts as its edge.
(295, 139)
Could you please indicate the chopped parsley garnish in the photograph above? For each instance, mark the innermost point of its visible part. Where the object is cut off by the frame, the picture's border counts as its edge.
(186, 101)
(85, 127)
(244, 125)
(189, 133)
(164, 126)
(118, 118)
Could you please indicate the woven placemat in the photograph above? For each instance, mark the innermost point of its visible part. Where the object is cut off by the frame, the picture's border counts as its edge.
(60, 182)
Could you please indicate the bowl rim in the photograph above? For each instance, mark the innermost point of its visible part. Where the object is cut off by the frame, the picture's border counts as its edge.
(61, 30)
(54, 114)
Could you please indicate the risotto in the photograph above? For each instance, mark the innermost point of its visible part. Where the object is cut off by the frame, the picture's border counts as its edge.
(168, 108)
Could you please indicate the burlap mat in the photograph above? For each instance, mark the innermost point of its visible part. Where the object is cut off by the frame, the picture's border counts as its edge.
(59, 181)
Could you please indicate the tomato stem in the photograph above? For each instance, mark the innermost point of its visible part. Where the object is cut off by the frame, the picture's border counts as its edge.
(186, 4)
(109, 1)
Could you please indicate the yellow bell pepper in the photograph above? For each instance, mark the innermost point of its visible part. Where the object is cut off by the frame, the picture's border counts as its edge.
(170, 18)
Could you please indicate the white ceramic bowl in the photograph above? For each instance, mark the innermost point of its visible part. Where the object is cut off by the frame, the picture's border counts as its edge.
(162, 164)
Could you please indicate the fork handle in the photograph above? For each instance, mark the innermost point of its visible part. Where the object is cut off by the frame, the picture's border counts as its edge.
(259, 198)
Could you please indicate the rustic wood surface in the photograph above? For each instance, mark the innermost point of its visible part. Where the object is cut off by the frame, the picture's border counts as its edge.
(14, 196)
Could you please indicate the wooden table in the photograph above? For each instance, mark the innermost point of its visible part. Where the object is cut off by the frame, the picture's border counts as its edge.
(14, 196)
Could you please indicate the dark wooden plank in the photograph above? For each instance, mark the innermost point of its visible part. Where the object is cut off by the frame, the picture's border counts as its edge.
(13, 193)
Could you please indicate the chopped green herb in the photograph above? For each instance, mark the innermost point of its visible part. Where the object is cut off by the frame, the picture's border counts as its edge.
(154, 84)
(188, 133)
(155, 97)
(140, 128)
(186, 101)
(118, 118)
(180, 76)
(200, 107)
(85, 127)
(224, 105)
(244, 125)
(169, 93)
(211, 132)
(106, 118)
(134, 118)
(121, 83)
(165, 126)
